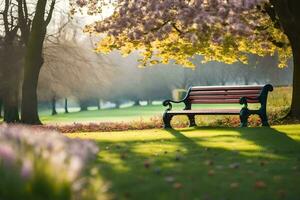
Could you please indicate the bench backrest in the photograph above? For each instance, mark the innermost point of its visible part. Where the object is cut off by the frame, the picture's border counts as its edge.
(223, 94)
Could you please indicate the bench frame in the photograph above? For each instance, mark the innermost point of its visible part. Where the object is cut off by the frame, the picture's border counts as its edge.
(244, 113)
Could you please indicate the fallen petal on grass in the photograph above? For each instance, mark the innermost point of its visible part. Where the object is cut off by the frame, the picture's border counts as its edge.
(260, 185)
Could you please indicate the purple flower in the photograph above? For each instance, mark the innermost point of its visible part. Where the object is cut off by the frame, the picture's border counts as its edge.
(26, 169)
(7, 154)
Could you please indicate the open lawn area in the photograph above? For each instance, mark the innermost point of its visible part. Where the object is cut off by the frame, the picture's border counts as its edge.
(203, 163)
(116, 115)
(104, 115)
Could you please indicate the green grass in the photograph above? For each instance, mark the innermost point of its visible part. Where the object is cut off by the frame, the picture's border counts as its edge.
(212, 163)
(105, 115)
(115, 115)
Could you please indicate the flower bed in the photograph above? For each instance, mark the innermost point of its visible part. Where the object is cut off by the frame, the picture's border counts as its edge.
(37, 163)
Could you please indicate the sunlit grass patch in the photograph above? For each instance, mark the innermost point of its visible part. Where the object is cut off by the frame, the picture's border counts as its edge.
(199, 163)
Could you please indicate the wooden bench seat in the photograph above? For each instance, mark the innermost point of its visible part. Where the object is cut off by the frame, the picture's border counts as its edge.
(207, 111)
(221, 95)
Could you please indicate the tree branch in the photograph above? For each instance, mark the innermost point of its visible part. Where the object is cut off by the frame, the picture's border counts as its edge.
(47, 21)
(177, 29)
(24, 21)
(5, 17)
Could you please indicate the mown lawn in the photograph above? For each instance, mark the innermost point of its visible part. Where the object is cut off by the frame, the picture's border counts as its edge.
(115, 115)
(203, 163)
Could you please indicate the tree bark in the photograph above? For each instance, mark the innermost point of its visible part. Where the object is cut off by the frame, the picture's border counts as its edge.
(33, 63)
(66, 106)
(29, 113)
(53, 104)
(295, 107)
(11, 57)
(11, 106)
(288, 15)
(11, 114)
(11, 99)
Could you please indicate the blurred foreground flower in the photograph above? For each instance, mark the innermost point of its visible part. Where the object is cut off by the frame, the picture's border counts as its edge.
(37, 163)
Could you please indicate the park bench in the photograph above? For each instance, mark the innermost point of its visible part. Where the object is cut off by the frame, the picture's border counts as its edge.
(243, 95)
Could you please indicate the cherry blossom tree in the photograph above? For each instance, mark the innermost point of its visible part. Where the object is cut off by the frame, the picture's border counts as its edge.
(222, 30)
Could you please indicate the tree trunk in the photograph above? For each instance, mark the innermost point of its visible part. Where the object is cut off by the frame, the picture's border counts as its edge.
(12, 86)
(136, 103)
(118, 105)
(33, 63)
(53, 104)
(29, 113)
(295, 107)
(98, 104)
(289, 18)
(11, 114)
(1, 103)
(66, 106)
(11, 106)
(83, 106)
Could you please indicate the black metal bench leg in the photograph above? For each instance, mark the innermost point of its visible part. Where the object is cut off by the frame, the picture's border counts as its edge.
(264, 119)
(192, 120)
(244, 115)
(167, 120)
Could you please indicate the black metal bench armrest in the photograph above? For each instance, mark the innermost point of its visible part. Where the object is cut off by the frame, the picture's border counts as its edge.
(169, 103)
(244, 100)
(262, 97)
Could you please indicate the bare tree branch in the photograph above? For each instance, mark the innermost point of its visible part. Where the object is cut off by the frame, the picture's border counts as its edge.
(48, 19)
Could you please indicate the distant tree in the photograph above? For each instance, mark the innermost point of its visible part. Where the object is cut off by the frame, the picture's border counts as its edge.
(83, 104)
(11, 54)
(98, 103)
(53, 106)
(70, 68)
(25, 27)
(66, 105)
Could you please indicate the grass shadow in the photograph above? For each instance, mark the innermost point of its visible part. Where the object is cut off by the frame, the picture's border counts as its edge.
(272, 140)
(205, 163)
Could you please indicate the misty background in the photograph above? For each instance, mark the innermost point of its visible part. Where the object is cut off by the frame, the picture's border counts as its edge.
(75, 78)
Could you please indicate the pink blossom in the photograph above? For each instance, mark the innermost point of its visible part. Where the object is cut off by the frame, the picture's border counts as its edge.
(27, 169)
(7, 154)
(81, 3)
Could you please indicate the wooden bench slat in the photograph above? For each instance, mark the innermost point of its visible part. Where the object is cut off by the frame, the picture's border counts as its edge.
(208, 88)
(207, 111)
(221, 97)
(210, 101)
(220, 101)
(231, 92)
